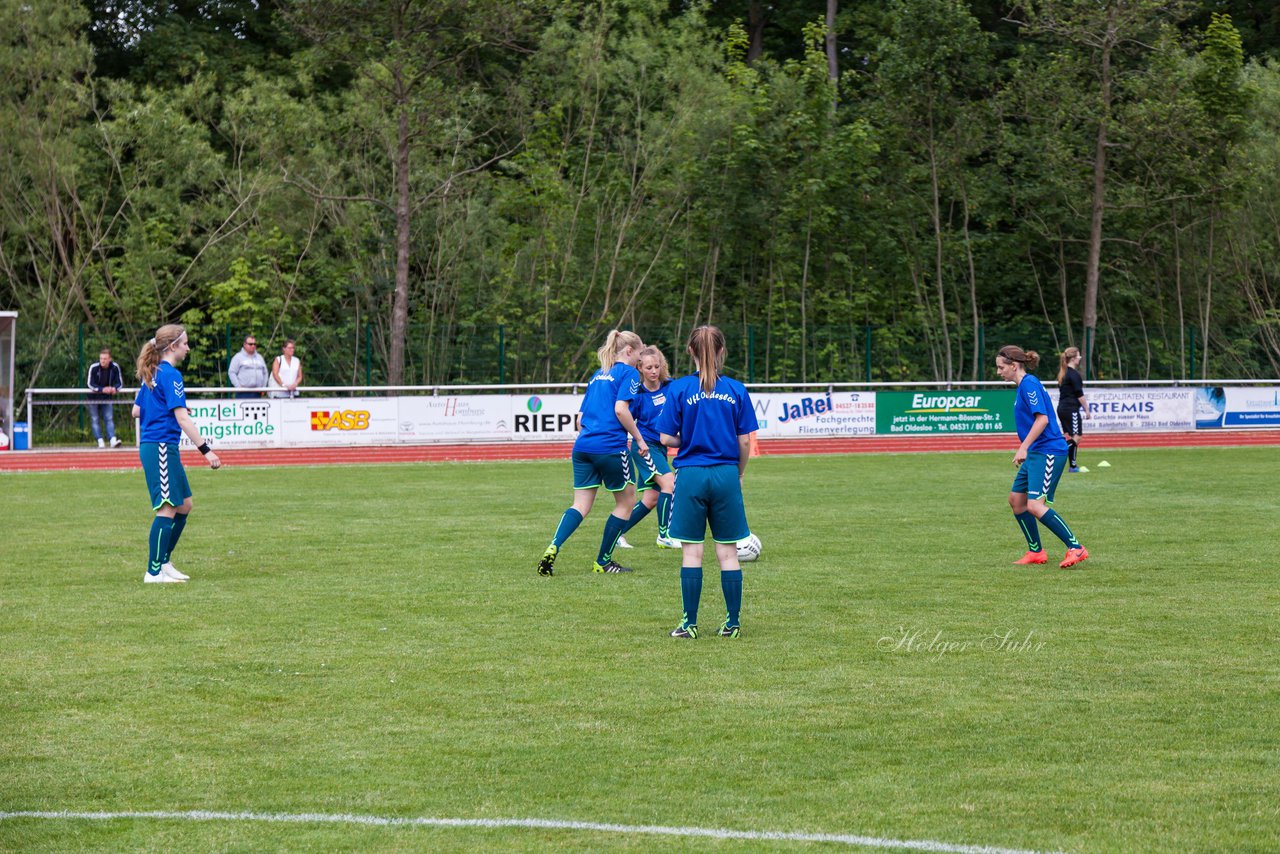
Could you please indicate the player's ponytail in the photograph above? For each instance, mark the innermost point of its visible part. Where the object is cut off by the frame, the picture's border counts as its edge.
(706, 346)
(1027, 358)
(1067, 355)
(154, 350)
(614, 343)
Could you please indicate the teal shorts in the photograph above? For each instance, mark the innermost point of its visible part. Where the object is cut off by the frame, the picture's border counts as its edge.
(166, 478)
(1039, 474)
(645, 477)
(612, 469)
(708, 496)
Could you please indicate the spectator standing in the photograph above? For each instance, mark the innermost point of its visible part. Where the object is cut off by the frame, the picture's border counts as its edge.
(248, 369)
(286, 371)
(105, 379)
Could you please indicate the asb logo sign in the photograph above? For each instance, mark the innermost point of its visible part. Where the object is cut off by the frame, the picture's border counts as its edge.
(342, 419)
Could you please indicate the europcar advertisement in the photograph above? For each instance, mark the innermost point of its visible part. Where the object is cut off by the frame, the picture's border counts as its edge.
(842, 413)
(1136, 410)
(236, 423)
(905, 413)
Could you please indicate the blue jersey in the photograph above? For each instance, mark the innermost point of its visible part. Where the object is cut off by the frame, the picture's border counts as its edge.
(1033, 400)
(646, 406)
(708, 424)
(157, 404)
(602, 433)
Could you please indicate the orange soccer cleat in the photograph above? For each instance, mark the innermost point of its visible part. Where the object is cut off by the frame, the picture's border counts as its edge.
(1074, 556)
(1032, 558)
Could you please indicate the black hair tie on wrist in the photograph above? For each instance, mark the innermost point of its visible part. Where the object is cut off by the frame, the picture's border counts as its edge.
(204, 448)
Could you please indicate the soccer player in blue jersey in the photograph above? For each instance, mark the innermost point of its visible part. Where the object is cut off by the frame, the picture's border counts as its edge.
(1041, 459)
(655, 484)
(709, 417)
(161, 404)
(600, 451)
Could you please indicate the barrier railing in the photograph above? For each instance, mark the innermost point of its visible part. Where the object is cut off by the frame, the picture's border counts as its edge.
(869, 409)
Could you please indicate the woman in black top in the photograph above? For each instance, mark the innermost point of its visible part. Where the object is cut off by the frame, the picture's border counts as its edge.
(1072, 407)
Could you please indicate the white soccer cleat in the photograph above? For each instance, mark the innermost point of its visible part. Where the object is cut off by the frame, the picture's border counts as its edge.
(160, 578)
(623, 544)
(172, 572)
(668, 543)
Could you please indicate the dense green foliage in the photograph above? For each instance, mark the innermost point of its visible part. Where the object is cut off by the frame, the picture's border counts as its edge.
(374, 640)
(476, 190)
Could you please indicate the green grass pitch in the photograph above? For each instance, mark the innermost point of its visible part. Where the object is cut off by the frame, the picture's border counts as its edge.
(375, 641)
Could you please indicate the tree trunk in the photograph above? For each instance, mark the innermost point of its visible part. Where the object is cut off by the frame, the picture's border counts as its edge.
(833, 62)
(755, 31)
(400, 302)
(973, 288)
(936, 213)
(1099, 201)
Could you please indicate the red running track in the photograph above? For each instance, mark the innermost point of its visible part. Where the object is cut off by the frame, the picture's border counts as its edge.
(127, 458)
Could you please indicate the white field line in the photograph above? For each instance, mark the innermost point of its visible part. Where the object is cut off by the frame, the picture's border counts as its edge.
(531, 823)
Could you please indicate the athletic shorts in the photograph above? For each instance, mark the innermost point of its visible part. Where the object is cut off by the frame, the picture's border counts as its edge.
(166, 478)
(1039, 474)
(643, 476)
(1072, 418)
(612, 469)
(708, 496)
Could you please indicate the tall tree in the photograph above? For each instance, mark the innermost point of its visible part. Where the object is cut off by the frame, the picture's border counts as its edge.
(1097, 33)
(406, 56)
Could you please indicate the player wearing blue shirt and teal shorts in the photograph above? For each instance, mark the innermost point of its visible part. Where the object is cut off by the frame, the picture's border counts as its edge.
(657, 483)
(161, 408)
(709, 417)
(1041, 459)
(600, 454)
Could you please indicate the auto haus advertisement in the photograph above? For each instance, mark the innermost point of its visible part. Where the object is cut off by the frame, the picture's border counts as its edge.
(845, 413)
(1136, 410)
(446, 418)
(903, 413)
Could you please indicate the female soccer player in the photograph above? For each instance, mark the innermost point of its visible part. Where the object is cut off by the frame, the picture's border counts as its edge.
(600, 451)
(1072, 407)
(1040, 459)
(656, 488)
(710, 418)
(161, 404)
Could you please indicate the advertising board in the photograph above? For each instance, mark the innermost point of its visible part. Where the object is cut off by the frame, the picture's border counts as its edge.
(253, 423)
(844, 413)
(454, 418)
(1136, 410)
(902, 413)
(1249, 406)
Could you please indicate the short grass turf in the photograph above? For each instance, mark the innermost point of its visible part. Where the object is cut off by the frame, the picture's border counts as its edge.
(376, 641)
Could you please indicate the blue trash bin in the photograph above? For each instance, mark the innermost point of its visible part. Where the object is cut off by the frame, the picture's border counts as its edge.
(21, 438)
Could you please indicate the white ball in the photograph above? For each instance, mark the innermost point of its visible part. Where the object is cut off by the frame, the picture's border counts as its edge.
(749, 549)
